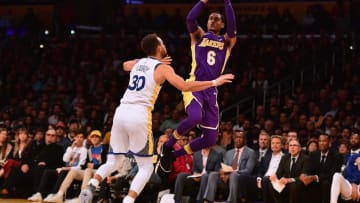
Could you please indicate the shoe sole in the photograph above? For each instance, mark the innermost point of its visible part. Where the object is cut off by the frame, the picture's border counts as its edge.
(86, 197)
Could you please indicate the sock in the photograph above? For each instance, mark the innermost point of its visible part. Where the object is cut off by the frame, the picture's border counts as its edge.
(128, 199)
(93, 182)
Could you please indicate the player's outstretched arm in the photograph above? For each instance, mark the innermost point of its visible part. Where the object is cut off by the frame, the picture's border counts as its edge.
(128, 65)
(166, 72)
(191, 21)
(231, 23)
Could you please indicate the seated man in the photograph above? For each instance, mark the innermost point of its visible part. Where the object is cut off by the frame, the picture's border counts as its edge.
(242, 159)
(249, 185)
(319, 170)
(347, 184)
(287, 175)
(96, 155)
(204, 162)
(74, 157)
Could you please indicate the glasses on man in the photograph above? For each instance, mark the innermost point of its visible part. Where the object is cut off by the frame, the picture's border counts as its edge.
(49, 134)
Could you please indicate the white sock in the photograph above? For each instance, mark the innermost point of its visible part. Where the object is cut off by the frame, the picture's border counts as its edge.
(94, 182)
(128, 199)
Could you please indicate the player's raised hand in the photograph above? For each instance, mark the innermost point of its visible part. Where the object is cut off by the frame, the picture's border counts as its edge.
(226, 78)
(166, 60)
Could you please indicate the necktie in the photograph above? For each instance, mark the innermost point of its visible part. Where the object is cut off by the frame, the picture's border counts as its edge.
(323, 157)
(292, 169)
(261, 155)
(235, 160)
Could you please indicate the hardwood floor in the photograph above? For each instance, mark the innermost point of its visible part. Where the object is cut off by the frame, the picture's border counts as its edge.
(13, 201)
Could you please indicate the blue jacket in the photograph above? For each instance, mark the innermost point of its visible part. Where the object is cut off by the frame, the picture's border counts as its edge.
(351, 172)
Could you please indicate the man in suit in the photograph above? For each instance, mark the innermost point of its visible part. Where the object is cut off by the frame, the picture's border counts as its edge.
(262, 150)
(204, 162)
(248, 189)
(242, 159)
(268, 167)
(319, 170)
(288, 172)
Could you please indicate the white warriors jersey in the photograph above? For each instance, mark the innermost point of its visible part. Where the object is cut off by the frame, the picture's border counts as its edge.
(142, 88)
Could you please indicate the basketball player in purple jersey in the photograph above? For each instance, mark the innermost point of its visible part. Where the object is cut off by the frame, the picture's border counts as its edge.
(210, 52)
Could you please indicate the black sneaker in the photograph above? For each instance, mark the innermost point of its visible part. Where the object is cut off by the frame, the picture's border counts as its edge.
(164, 165)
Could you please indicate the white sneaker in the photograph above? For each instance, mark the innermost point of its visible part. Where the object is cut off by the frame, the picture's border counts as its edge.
(48, 197)
(54, 198)
(87, 194)
(35, 197)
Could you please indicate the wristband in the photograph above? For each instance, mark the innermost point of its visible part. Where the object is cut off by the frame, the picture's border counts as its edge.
(214, 83)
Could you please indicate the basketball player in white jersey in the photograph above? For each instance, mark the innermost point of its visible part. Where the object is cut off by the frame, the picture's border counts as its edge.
(131, 130)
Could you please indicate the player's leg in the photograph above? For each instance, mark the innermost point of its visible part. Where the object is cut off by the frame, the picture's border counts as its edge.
(207, 140)
(209, 126)
(142, 146)
(167, 156)
(146, 168)
(119, 143)
(194, 117)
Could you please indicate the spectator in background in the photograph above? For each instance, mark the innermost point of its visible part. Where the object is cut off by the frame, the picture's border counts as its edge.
(347, 184)
(242, 159)
(74, 157)
(318, 171)
(56, 114)
(182, 164)
(95, 157)
(354, 146)
(343, 150)
(288, 173)
(312, 146)
(49, 157)
(5, 146)
(204, 162)
(171, 122)
(249, 185)
(62, 139)
(17, 182)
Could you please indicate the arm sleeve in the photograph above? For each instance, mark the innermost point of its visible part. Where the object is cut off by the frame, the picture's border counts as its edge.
(230, 19)
(191, 22)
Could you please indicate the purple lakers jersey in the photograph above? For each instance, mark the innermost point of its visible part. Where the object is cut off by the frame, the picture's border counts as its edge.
(209, 56)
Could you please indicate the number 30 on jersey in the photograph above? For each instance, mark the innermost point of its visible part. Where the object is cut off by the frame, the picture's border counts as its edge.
(137, 83)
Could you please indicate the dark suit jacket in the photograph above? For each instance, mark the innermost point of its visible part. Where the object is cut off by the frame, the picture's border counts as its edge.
(212, 163)
(284, 166)
(264, 164)
(259, 162)
(325, 172)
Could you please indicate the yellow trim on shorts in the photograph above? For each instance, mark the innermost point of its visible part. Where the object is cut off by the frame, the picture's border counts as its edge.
(176, 135)
(149, 117)
(188, 149)
(149, 132)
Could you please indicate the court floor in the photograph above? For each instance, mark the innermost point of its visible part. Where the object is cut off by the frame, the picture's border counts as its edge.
(13, 201)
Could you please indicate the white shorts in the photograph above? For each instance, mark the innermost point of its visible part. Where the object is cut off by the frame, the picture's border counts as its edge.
(132, 131)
